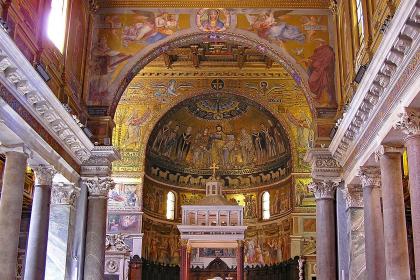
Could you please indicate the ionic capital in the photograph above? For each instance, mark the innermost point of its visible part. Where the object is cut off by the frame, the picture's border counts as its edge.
(353, 194)
(323, 189)
(409, 122)
(64, 194)
(98, 187)
(370, 176)
(44, 175)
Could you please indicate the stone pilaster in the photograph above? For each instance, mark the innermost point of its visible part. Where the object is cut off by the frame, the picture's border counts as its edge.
(326, 178)
(373, 222)
(97, 181)
(11, 207)
(353, 195)
(409, 123)
(36, 252)
(61, 230)
(395, 230)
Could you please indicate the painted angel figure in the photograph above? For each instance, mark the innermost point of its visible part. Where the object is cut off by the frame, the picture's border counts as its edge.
(264, 88)
(164, 91)
(134, 124)
(311, 24)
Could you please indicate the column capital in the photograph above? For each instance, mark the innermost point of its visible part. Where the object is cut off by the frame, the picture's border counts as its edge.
(385, 149)
(323, 189)
(64, 194)
(324, 166)
(370, 176)
(44, 174)
(409, 122)
(353, 194)
(100, 162)
(98, 187)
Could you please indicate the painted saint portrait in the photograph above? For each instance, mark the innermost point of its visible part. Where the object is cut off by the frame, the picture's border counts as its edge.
(213, 20)
(122, 223)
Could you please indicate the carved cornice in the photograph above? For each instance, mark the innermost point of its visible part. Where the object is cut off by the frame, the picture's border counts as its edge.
(323, 189)
(323, 4)
(64, 194)
(370, 176)
(100, 161)
(409, 122)
(32, 92)
(324, 166)
(397, 47)
(98, 187)
(44, 175)
(353, 194)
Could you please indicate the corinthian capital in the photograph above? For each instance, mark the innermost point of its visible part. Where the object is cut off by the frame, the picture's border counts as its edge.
(409, 122)
(44, 175)
(98, 186)
(370, 176)
(63, 194)
(323, 189)
(353, 195)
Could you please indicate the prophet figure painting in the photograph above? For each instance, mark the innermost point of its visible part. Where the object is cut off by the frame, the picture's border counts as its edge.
(213, 20)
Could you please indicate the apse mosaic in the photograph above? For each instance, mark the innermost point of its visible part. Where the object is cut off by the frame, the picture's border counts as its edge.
(304, 35)
(238, 136)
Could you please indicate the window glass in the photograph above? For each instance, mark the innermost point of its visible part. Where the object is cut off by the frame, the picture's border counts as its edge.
(266, 206)
(170, 206)
(57, 23)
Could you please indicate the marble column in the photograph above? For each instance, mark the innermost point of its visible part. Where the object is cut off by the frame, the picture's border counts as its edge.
(353, 195)
(326, 260)
(36, 252)
(395, 230)
(11, 209)
(410, 125)
(95, 178)
(61, 231)
(184, 260)
(240, 261)
(96, 227)
(374, 225)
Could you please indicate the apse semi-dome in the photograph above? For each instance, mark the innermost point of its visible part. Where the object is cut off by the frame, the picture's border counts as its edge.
(230, 135)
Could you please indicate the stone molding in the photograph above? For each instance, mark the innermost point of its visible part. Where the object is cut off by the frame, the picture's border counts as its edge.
(18, 148)
(324, 166)
(370, 176)
(100, 161)
(323, 189)
(26, 85)
(385, 149)
(353, 194)
(44, 175)
(409, 122)
(98, 187)
(64, 194)
(399, 45)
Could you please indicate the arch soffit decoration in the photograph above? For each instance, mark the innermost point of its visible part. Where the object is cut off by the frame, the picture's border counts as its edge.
(191, 36)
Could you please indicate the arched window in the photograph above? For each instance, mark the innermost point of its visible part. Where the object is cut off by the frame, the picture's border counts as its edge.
(360, 27)
(170, 206)
(57, 21)
(266, 206)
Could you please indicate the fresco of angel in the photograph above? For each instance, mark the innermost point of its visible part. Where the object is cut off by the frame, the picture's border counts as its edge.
(269, 26)
(163, 92)
(150, 28)
(311, 24)
(264, 88)
(134, 124)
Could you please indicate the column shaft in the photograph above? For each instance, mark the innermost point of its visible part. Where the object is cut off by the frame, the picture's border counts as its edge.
(95, 239)
(36, 252)
(395, 231)
(11, 211)
(183, 263)
(326, 240)
(374, 234)
(240, 261)
(413, 153)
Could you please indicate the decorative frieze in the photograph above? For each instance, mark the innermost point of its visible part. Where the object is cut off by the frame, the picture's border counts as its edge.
(323, 189)
(324, 166)
(398, 47)
(370, 176)
(44, 175)
(100, 162)
(98, 187)
(353, 194)
(64, 194)
(409, 122)
(28, 87)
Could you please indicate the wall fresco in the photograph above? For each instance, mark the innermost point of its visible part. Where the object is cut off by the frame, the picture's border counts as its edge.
(123, 223)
